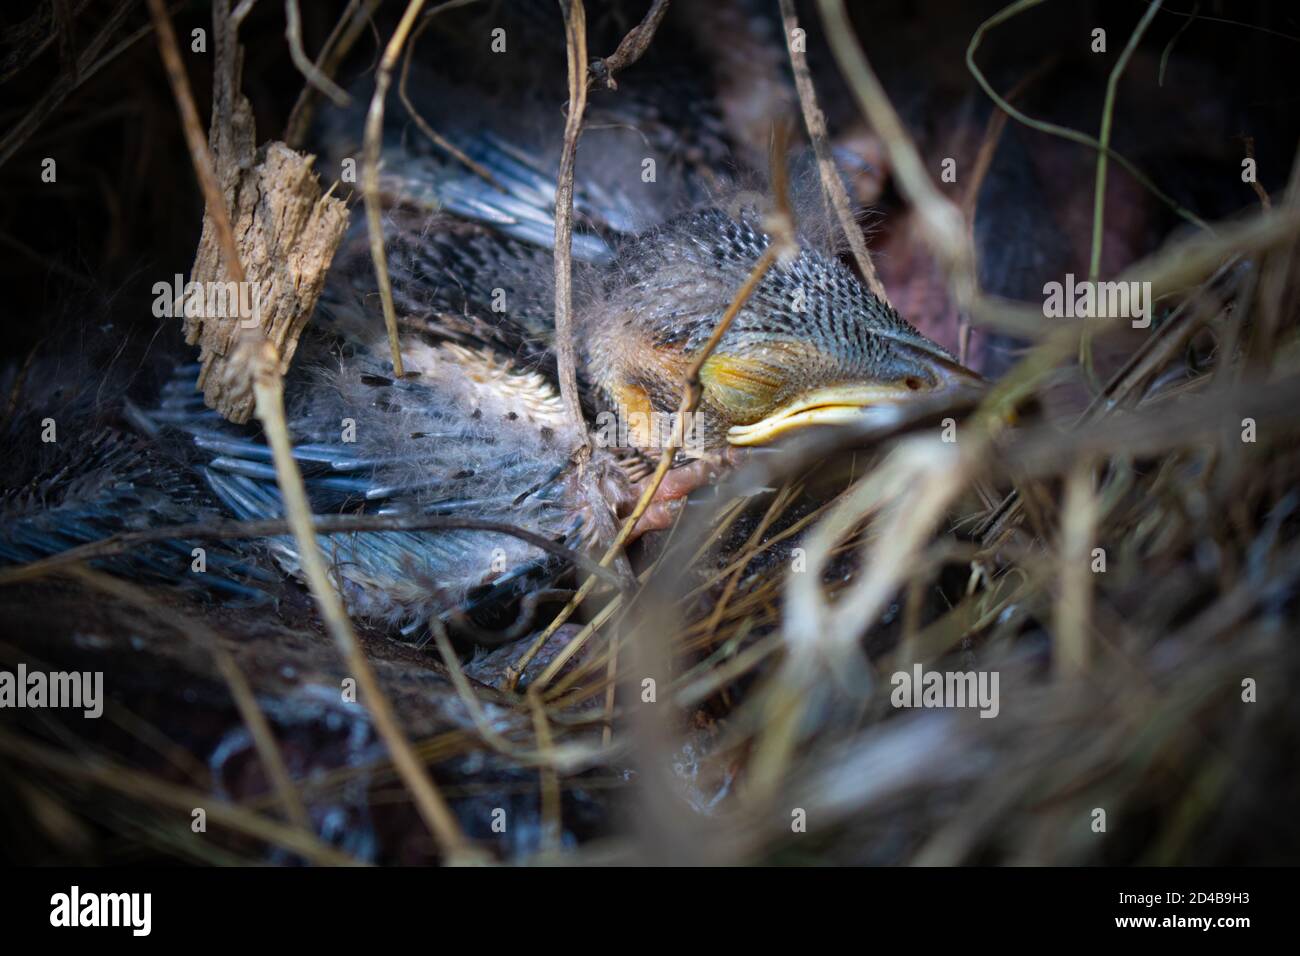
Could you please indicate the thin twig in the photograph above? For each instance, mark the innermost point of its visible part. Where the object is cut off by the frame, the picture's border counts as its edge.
(1099, 197)
(631, 48)
(575, 31)
(1169, 47)
(832, 184)
(1103, 154)
(315, 76)
(269, 391)
(213, 197)
(370, 175)
(241, 13)
(943, 227)
(1265, 201)
(337, 44)
(1099, 192)
(435, 137)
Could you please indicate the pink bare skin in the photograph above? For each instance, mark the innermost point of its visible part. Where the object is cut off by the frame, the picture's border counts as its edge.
(672, 492)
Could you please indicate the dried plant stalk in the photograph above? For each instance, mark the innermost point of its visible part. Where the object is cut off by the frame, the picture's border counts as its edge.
(433, 808)
(575, 31)
(832, 185)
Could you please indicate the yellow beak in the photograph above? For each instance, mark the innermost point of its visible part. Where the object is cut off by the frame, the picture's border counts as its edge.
(850, 403)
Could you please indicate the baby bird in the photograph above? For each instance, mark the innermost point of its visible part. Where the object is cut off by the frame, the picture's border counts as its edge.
(475, 427)
(811, 346)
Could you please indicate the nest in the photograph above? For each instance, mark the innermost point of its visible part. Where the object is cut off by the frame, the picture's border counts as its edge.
(1121, 579)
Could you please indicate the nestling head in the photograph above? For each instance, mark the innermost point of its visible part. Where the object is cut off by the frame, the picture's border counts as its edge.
(812, 346)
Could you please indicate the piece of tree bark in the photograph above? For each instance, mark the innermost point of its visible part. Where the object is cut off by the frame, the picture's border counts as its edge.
(287, 234)
(284, 231)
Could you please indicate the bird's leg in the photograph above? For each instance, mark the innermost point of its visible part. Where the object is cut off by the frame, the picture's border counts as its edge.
(677, 484)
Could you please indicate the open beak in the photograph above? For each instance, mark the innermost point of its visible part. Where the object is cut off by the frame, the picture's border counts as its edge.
(850, 403)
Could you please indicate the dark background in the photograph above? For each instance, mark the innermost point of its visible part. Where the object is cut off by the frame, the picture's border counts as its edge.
(126, 211)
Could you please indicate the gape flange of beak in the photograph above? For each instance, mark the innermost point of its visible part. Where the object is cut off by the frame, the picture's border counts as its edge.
(850, 402)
